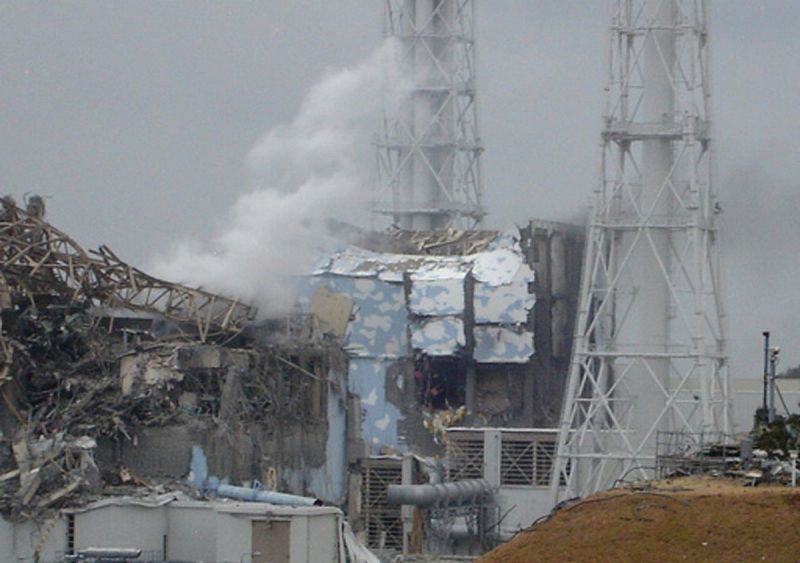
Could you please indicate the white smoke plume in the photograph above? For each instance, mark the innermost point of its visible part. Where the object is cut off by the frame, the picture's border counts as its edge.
(315, 167)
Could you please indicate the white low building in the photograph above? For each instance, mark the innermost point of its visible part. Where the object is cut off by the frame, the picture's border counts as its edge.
(171, 527)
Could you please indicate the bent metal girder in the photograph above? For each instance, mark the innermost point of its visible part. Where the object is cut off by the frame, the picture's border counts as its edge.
(37, 257)
(650, 352)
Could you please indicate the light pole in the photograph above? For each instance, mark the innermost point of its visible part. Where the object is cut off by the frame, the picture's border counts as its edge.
(774, 352)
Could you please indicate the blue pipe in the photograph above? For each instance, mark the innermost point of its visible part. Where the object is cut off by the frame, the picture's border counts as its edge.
(210, 484)
(271, 497)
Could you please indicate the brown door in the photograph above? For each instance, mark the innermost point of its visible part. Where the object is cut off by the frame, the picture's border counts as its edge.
(270, 541)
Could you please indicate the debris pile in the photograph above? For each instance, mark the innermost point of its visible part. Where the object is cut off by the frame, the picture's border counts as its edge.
(62, 373)
(682, 454)
(61, 391)
(779, 437)
(767, 455)
(67, 383)
(48, 471)
(438, 421)
(776, 446)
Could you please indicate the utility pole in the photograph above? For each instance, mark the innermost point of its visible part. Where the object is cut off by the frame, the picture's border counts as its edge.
(429, 149)
(649, 353)
(766, 370)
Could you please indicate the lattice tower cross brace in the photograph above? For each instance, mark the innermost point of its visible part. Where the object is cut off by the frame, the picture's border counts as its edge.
(428, 150)
(649, 353)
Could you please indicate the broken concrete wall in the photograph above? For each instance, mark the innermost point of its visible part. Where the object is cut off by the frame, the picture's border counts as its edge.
(498, 400)
(375, 339)
(380, 418)
(96, 353)
(253, 415)
(260, 413)
(554, 251)
(329, 480)
(280, 412)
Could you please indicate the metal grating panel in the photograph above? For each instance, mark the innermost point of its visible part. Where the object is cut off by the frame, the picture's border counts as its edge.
(526, 461)
(465, 456)
(382, 522)
(517, 463)
(545, 455)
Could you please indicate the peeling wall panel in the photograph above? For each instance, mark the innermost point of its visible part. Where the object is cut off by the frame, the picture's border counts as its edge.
(505, 304)
(378, 329)
(367, 379)
(378, 332)
(437, 297)
(438, 336)
(508, 303)
(356, 262)
(498, 267)
(333, 310)
(443, 269)
(495, 345)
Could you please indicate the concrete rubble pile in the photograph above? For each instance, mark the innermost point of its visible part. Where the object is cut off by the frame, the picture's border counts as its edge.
(59, 395)
(767, 454)
(62, 372)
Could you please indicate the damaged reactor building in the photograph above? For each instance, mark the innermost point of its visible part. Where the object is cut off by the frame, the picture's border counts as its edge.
(458, 347)
(420, 357)
(111, 377)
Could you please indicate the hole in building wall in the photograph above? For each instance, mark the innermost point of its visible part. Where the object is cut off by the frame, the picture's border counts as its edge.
(440, 381)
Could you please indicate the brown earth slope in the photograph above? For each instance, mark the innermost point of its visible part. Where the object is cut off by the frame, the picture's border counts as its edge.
(689, 519)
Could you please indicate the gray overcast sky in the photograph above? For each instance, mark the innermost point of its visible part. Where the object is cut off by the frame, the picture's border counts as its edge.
(135, 119)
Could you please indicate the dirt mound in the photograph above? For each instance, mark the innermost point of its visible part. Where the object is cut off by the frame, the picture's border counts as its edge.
(690, 519)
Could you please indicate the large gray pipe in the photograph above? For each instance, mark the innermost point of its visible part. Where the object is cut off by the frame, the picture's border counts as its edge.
(445, 493)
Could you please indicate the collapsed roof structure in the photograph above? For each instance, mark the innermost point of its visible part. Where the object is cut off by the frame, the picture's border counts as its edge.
(39, 259)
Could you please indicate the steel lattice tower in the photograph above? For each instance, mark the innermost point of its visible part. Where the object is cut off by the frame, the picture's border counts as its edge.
(649, 353)
(429, 149)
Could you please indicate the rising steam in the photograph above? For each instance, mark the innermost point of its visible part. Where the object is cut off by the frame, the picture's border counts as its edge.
(314, 167)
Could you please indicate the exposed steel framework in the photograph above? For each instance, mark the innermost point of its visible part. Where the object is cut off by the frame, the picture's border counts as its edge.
(650, 352)
(429, 149)
(38, 258)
